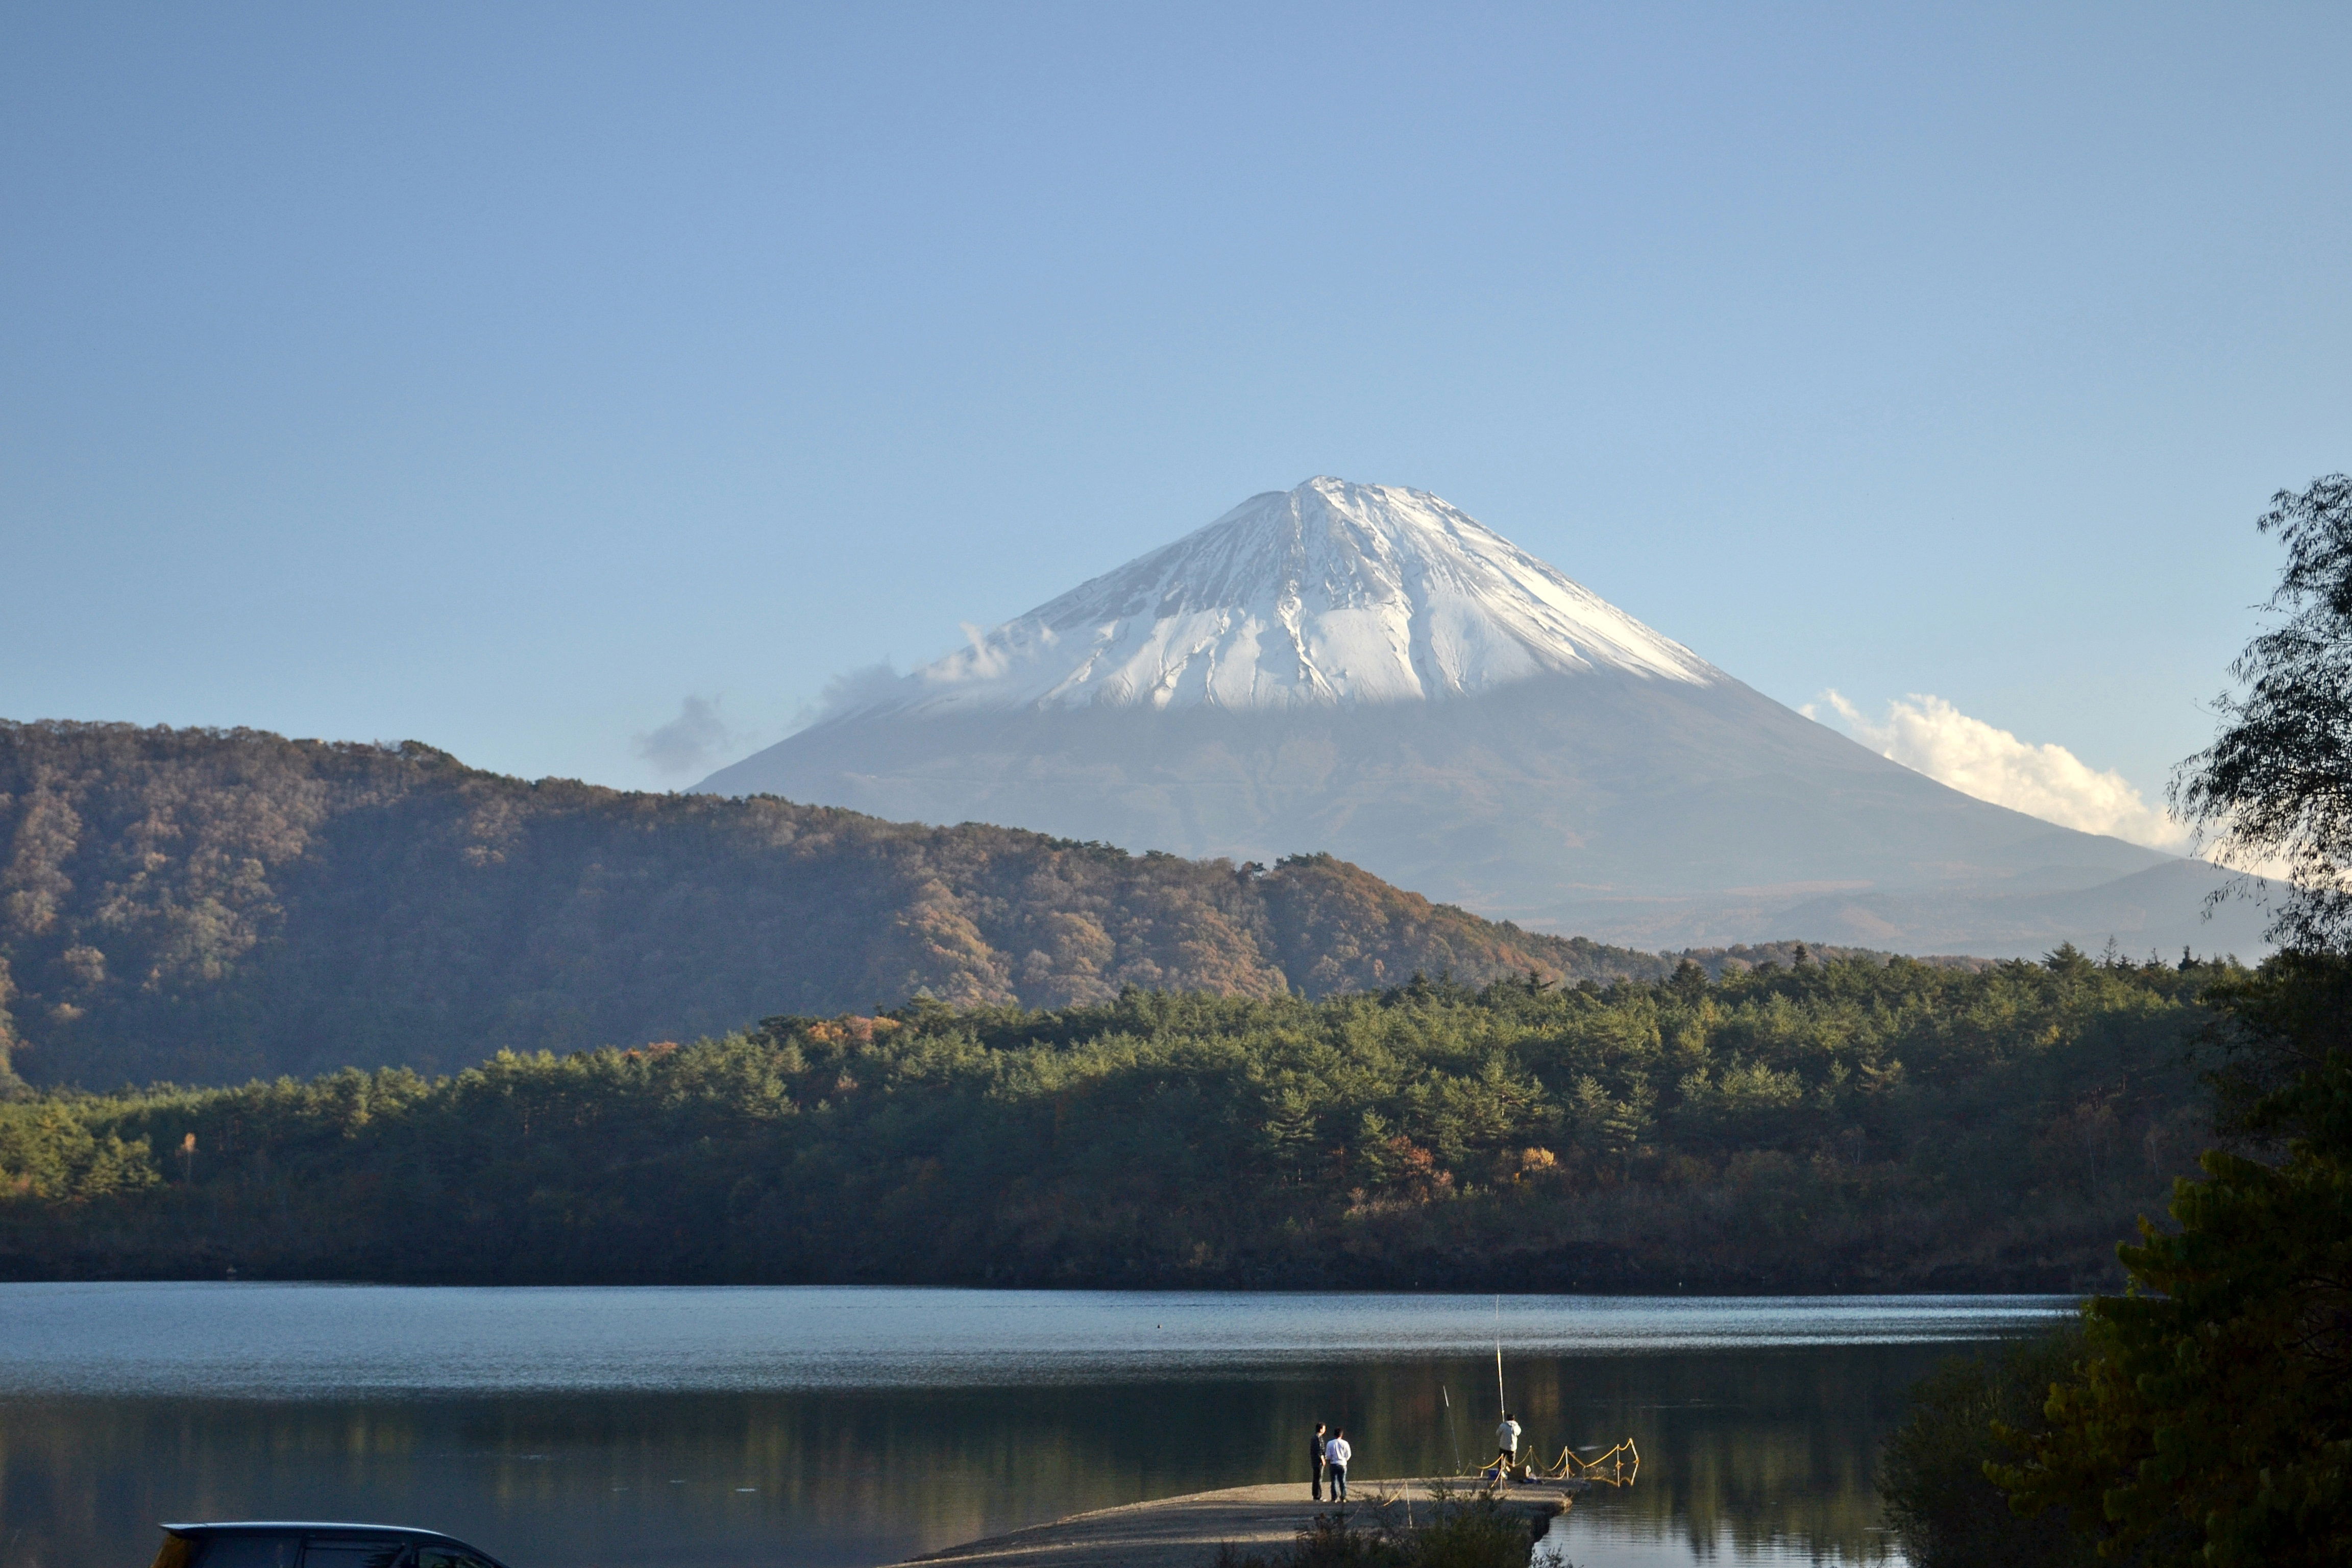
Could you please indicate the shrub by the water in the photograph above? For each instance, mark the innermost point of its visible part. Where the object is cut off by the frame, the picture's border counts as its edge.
(1939, 1500)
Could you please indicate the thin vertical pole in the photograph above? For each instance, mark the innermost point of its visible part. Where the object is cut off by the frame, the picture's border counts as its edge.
(1502, 1407)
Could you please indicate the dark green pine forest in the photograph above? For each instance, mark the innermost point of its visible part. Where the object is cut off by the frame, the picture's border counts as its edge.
(1852, 1125)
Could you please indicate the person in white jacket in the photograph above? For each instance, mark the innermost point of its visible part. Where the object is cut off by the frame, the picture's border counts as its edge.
(1506, 1447)
(1335, 1455)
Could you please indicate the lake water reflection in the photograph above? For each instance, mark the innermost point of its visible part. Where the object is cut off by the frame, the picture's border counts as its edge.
(563, 1427)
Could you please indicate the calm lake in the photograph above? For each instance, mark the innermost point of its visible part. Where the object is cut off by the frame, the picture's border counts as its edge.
(597, 1429)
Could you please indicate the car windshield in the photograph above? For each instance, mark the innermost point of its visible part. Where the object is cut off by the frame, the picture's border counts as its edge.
(234, 1551)
(324, 1553)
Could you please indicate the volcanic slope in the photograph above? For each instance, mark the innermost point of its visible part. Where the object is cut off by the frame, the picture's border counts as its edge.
(1367, 670)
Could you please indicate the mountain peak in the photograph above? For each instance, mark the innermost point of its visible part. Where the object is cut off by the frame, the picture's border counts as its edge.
(1329, 594)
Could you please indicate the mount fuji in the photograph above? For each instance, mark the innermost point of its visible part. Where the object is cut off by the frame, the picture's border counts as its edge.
(1329, 595)
(1368, 671)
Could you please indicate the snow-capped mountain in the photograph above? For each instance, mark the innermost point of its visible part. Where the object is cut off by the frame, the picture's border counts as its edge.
(1366, 671)
(1324, 595)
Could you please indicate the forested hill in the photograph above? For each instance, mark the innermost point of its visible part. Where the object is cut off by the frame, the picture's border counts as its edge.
(1849, 1126)
(207, 906)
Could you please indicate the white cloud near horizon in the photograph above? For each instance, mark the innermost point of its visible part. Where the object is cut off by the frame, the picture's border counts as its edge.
(1928, 735)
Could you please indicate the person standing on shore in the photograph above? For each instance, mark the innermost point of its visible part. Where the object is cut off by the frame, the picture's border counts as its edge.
(1507, 1447)
(1335, 1455)
(1315, 1458)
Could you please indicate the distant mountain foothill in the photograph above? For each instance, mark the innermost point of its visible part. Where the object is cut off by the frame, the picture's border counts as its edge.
(207, 906)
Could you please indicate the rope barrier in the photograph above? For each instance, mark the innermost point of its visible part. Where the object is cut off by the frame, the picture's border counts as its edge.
(1617, 1468)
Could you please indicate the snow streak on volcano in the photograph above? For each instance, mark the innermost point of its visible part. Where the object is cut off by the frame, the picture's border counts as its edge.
(1327, 595)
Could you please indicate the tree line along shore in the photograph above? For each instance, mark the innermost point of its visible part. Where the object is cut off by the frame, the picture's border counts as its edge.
(1847, 1125)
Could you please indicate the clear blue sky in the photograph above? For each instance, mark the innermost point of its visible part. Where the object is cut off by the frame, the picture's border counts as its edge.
(499, 376)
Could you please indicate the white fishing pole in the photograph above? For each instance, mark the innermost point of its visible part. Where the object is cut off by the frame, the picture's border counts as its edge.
(1502, 1405)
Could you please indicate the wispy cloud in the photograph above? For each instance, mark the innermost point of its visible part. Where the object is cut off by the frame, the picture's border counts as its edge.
(690, 743)
(1929, 735)
(859, 688)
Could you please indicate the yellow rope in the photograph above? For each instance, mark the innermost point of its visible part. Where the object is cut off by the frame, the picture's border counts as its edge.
(1617, 1468)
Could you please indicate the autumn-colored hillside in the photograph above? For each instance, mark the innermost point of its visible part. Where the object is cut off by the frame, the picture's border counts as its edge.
(207, 905)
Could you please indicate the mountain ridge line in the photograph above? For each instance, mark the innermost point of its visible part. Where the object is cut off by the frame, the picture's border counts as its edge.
(211, 905)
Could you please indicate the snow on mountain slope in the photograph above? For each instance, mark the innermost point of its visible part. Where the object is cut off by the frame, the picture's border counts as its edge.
(1329, 594)
(1366, 671)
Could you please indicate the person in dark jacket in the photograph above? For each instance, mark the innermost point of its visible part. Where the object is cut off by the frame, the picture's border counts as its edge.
(1315, 1461)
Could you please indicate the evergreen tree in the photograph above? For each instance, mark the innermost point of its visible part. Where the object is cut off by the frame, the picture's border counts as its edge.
(2212, 1421)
